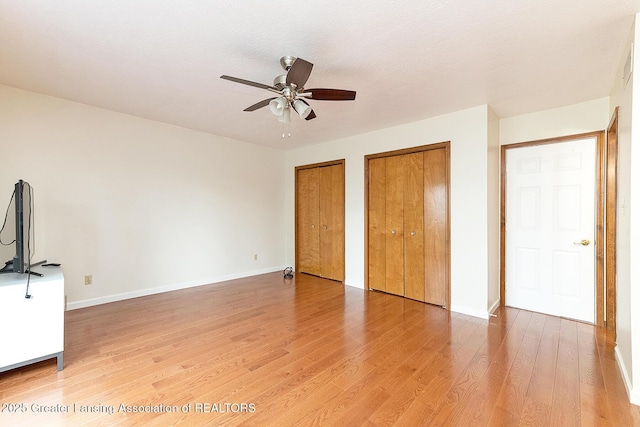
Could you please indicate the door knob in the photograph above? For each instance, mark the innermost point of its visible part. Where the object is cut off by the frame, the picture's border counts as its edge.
(413, 233)
(324, 227)
(583, 242)
(393, 231)
(313, 226)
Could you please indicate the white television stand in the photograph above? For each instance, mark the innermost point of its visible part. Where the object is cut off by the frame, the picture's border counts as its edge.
(31, 329)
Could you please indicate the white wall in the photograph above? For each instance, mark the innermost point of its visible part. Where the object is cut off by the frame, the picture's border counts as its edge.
(493, 210)
(142, 206)
(467, 130)
(624, 95)
(574, 119)
(633, 212)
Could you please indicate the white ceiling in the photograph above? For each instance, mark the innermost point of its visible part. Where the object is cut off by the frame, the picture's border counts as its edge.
(407, 60)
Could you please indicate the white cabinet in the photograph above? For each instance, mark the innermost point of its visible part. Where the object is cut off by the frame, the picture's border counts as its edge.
(31, 329)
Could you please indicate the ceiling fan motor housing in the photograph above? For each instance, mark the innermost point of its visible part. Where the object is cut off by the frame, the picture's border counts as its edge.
(287, 61)
(280, 81)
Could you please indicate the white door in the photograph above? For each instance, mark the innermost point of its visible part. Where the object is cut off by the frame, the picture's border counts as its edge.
(550, 228)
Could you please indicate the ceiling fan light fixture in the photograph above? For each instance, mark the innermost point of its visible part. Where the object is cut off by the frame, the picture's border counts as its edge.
(303, 109)
(285, 117)
(277, 106)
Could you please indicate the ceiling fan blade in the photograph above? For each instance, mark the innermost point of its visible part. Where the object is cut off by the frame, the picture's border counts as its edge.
(299, 72)
(260, 104)
(331, 94)
(248, 82)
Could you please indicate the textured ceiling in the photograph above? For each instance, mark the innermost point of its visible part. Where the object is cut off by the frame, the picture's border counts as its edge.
(407, 60)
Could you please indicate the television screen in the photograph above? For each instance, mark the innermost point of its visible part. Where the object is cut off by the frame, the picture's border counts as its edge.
(22, 201)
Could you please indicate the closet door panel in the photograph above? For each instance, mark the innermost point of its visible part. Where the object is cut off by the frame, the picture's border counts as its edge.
(337, 223)
(377, 224)
(394, 245)
(413, 226)
(436, 226)
(308, 216)
(332, 222)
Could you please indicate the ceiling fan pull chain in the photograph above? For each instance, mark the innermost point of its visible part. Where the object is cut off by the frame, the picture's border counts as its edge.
(285, 130)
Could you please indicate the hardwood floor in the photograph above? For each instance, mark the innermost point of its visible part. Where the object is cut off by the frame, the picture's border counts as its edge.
(272, 352)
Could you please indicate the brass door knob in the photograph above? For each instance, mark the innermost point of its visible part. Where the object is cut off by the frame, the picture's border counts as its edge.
(583, 242)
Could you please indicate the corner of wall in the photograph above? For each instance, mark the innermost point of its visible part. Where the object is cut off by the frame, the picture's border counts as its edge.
(634, 394)
(493, 206)
(470, 311)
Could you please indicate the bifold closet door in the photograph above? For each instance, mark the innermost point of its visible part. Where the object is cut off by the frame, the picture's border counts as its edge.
(394, 226)
(396, 239)
(436, 228)
(414, 257)
(308, 216)
(377, 247)
(408, 225)
(331, 232)
(320, 221)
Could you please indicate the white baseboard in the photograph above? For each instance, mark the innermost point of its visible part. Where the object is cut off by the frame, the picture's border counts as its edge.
(151, 291)
(634, 394)
(470, 311)
(494, 306)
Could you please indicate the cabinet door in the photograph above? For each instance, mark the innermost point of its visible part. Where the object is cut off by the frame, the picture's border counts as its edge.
(331, 231)
(394, 225)
(436, 213)
(413, 226)
(308, 219)
(377, 199)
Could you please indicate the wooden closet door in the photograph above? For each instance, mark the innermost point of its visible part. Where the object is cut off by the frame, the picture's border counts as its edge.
(308, 218)
(394, 225)
(414, 259)
(377, 232)
(331, 232)
(436, 212)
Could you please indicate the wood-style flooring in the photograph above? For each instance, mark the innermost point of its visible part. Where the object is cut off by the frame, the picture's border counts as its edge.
(265, 351)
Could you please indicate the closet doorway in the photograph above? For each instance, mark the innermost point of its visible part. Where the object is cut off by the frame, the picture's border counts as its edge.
(320, 219)
(407, 223)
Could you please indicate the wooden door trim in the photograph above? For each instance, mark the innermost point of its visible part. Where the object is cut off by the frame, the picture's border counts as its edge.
(599, 202)
(321, 164)
(446, 145)
(409, 150)
(611, 203)
(295, 219)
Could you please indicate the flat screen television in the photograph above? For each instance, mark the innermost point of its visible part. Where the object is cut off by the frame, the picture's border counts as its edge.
(23, 204)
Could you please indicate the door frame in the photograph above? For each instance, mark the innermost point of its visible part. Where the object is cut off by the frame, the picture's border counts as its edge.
(446, 145)
(611, 203)
(599, 214)
(295, 196)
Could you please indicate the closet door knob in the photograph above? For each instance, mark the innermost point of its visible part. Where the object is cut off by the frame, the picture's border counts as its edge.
(393, 231)
(324, 227)
(313, 226)
(413, 233)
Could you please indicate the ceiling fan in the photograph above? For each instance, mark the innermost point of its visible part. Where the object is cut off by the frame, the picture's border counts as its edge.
(291, 92)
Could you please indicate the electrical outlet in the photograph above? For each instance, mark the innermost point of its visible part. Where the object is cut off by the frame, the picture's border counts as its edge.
(88, 280)
(255, 257)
